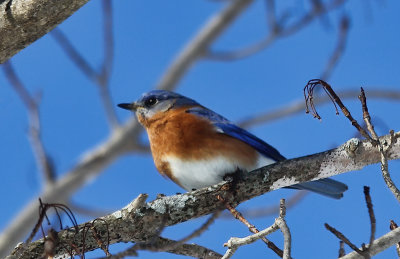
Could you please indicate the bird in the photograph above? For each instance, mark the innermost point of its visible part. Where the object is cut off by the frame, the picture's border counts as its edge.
(196, 147)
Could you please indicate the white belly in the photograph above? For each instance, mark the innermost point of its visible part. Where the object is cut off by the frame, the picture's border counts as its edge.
(202, 173)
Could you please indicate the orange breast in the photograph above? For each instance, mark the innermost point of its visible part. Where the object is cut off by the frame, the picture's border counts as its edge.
(184, 135)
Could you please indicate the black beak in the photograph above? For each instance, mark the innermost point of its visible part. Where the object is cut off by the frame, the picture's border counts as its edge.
(127, 106)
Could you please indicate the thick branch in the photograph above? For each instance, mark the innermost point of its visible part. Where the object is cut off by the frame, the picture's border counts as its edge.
(138, 225)
(121, 140)
(24, 21)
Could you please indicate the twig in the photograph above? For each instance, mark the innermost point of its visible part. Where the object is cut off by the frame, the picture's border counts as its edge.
(194, 234)
(279, 32)
(192, 250)
(365, 250)
(43, 208)
(43, 160)
(155, 247)
(200, 43)
(234, 243)
(101, 78)
(371, 214)
(297, 106)
(384, 161)
(73, 54)
(309, 88)
(103, 246)
(379, 245)
(343, 238)
(268, 211)
(287, 238)
(106, 68)
(251, 227)
(341, 249)
(393, 226)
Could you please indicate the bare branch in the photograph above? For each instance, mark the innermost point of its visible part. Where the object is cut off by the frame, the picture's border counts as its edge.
(379, 245)
(156, 247)
(335, 99)
(272, 210)
(287, 238)
(200, 43)
(175, 247)
(343, 238)
(384, 161)
(234, 243)
(108, 36)
(195, 233)
(23, 22)
(341, 249)
(298, 106)
(279, 32)
(101, 78)
(73, 54)
(393, 226)
(121, 140)
(251, 227)
(43, 160)
(105, 72)
(371, 214)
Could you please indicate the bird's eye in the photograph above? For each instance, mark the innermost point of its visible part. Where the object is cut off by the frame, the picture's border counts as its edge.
(151, 101)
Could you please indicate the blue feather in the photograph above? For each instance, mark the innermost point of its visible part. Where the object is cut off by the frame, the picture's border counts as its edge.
(225, 126)
(327, 187)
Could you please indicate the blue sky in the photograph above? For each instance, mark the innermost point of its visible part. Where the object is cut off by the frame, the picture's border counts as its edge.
(148, 35)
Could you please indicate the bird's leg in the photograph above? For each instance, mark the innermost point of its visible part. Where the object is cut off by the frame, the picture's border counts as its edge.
(233, 179)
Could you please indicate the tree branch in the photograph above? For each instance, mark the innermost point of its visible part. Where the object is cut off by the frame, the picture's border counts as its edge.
(23, 22)
(378, 245)
(200, 43)
(140, 224)
(297, 106)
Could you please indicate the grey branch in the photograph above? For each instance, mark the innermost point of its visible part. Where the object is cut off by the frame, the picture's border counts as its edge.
(91, 164)
(234, 243)
(138, 225)
(298, 105)
(378, 245)
(23, 22)
(277, 32)
(197, 47)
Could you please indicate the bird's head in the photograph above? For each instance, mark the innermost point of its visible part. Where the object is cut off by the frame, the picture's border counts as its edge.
(155, 102)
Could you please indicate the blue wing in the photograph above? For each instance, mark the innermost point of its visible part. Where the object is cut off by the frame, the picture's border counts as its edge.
(225, 126)
(327, 187)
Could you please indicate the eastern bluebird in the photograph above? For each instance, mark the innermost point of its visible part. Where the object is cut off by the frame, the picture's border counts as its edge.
(196, 147)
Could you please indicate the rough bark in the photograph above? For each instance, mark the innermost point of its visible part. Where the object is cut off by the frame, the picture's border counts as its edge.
(24, 21)
(138, 224)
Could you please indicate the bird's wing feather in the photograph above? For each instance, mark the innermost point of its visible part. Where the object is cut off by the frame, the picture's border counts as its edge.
(327, 187)
(223, 125)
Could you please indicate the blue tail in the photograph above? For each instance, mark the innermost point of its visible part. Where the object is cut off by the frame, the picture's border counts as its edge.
(326, 187)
